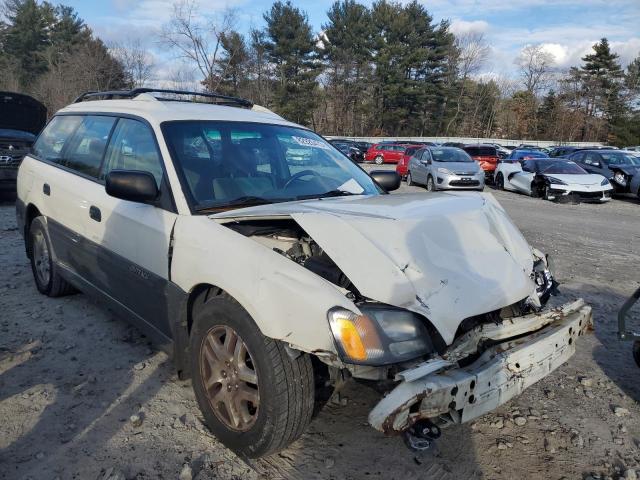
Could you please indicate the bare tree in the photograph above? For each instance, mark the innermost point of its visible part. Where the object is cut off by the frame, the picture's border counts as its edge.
(535, 65)
(471, 51)
(136, 60)
(197, 40)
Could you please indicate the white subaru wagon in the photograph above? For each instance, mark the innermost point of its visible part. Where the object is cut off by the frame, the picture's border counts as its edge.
(273, 268)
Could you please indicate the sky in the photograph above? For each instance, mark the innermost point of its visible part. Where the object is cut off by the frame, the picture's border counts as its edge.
(567, 29)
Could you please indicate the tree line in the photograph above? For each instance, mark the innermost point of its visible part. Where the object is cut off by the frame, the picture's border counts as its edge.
(385, 69)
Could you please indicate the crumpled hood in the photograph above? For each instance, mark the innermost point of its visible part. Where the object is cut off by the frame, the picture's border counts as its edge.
(447, 256)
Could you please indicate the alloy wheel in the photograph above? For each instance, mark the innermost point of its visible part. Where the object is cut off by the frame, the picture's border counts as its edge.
(379, 160)
(430, 185)
(41, 258)
(229, 378)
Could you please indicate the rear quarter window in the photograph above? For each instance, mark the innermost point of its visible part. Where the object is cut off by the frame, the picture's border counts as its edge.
(55, 136)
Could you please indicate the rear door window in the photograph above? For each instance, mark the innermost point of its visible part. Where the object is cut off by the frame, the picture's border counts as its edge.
(86, 149)
(133, 147)
(55, 136)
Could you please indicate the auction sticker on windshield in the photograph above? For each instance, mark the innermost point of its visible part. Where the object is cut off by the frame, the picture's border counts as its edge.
(310, 142)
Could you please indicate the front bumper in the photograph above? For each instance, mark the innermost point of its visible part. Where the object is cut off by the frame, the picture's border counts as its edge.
(454, 181)
(585, 194)
(523, 350)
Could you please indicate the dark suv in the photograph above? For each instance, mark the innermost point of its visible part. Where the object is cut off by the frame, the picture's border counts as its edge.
(22, 119)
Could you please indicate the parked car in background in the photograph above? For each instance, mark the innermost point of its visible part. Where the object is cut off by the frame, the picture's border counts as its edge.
(500, 150)
(566, 150)
(453, 144)
(21, 120)
(361, 146)
(401, 167)
(552, 179)
(635, 149)
(618, 167)
(518, 154)
(349, 150)
(445, 168)
(526, 146)
(486, 156)
(386, 153)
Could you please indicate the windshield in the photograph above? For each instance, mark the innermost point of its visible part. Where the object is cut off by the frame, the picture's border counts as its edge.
(450, 155)
(227, 164)
(560, 167)
(620, 158)
(526, 154)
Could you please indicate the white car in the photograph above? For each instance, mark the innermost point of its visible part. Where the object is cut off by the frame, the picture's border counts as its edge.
(273, 268)
(552, 179)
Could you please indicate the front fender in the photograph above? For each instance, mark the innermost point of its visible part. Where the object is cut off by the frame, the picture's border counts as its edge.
(286, 301)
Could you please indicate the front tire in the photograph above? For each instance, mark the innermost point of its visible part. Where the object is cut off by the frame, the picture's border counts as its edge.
(431, 187)
(500, 181)
(379, 160)
(45, 272)
(255, 397)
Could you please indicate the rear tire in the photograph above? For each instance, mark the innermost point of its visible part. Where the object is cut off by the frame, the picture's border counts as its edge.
(409, 180)
(431, 187)
(379, 160)
(45, 272)
(500, 181)
(284, 385)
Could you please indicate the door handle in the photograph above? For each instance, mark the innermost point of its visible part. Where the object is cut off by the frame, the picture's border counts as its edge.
(46, 189)
(94, 213)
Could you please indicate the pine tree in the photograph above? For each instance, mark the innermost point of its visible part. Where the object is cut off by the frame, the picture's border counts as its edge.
(233, 65)
(603, 79)
(290, 47)
(346, 50)
(26, 36)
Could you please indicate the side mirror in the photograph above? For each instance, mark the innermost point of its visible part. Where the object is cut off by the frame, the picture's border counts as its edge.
(387, 179)
(133, 185)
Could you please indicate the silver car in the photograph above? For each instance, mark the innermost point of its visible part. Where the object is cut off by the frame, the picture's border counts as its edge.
(444, 168)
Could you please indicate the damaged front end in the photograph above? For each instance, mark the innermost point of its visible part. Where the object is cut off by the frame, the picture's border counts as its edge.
(444, 301)
(508, 357)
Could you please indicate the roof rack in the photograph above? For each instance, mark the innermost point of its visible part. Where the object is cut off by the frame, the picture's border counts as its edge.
(112, 94)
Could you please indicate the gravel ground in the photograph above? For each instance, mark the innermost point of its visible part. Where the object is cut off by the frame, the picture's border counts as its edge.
(84, 396)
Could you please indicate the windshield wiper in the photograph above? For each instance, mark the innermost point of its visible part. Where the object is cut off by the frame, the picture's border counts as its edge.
(246, 201)
(330, 193)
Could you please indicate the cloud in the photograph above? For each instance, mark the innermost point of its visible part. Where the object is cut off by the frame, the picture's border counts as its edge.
(459, 26)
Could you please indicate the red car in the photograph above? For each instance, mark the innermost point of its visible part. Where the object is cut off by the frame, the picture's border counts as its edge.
(486, 156)
(403, 164)
(385, 153)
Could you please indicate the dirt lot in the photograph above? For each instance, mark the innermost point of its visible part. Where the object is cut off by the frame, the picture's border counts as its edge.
(72, 376)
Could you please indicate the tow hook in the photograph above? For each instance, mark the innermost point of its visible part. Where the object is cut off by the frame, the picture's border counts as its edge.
(421, 435)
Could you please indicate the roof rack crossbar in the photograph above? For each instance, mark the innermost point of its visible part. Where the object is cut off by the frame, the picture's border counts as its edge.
(111, 94)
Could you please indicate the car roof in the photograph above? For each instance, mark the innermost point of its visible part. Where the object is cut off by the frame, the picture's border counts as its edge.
(157, 111)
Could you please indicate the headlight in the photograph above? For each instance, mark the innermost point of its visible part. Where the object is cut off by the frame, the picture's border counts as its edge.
(604, 182)
(381, 335)
(556, 181)
(444, 171)
(620, 178)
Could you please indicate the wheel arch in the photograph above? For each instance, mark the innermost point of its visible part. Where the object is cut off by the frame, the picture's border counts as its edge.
(31, 212)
